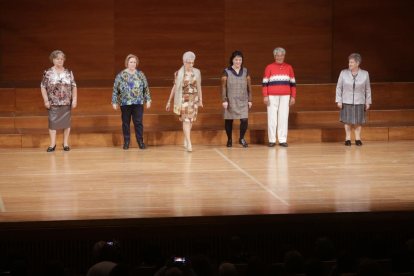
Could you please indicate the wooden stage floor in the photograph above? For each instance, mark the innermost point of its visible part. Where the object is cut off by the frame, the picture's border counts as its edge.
(166, 181)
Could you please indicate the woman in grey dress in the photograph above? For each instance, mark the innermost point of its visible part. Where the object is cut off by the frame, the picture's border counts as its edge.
(353, 96)
(236, 93)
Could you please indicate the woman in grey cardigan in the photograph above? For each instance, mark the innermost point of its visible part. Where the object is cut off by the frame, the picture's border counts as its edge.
(353, 96)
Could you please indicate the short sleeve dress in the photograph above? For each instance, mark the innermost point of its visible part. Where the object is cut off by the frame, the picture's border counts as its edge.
(189, 99)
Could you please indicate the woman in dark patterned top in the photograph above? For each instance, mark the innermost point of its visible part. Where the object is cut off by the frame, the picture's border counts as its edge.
(60, 96)
(236, 92)
(131, 91)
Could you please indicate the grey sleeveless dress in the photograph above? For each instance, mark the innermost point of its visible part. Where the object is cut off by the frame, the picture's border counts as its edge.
(238, 94)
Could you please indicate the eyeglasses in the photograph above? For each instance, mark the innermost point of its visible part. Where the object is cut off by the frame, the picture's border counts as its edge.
(189, 62)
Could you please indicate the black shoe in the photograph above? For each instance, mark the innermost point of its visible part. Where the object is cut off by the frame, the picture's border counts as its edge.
(347, 142)
(229, 143)
(65, 148)
(50, 149)
(283, 145)
(141, 145)
(272, 144)
(243, 143)
(358, 142)
(126, 145)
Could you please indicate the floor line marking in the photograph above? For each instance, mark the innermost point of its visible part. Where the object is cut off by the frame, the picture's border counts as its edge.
(2, 208)
(251, 177)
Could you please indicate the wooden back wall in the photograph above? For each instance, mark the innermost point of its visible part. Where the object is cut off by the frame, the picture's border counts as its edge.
(97, 35)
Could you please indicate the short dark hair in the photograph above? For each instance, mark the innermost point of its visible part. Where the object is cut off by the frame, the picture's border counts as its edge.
(235, 54)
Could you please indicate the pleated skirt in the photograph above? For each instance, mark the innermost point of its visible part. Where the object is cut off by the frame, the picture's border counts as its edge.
(353, 114)
(59, 116)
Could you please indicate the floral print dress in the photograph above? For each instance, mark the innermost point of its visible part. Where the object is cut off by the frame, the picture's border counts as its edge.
(189, 100)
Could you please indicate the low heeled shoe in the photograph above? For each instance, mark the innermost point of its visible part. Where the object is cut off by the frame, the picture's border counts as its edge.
(126, 145)
(283, 145)
(50, 149)
(142, 145)
(65, 148)
(229, 143)
(358, 142)
(272, 144)
(243, 143)
(347, 142)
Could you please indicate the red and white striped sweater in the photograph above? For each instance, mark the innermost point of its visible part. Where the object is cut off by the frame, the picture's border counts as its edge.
(279, 80)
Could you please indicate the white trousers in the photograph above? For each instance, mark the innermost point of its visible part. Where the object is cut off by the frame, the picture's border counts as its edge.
(277, 118)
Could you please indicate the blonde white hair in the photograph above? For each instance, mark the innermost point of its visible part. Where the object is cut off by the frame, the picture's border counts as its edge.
(188, 55)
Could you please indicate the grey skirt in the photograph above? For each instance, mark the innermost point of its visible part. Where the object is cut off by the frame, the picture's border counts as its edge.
(353, 114)
(59, 116)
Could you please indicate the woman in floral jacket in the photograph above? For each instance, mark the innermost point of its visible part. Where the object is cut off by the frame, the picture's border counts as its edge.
(131, 91)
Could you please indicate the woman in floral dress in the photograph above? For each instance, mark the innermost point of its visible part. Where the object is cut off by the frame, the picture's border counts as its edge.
(187, 96)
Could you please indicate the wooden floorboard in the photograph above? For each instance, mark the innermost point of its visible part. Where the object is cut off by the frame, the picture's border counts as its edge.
(166, 181)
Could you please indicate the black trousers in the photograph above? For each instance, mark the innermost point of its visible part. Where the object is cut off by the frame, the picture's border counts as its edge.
(136, 111)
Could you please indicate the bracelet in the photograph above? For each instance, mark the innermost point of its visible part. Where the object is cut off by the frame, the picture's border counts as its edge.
(46, 101)
(168, 102)
(74, 101)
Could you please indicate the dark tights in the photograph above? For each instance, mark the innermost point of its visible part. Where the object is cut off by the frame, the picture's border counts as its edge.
(228, 125)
